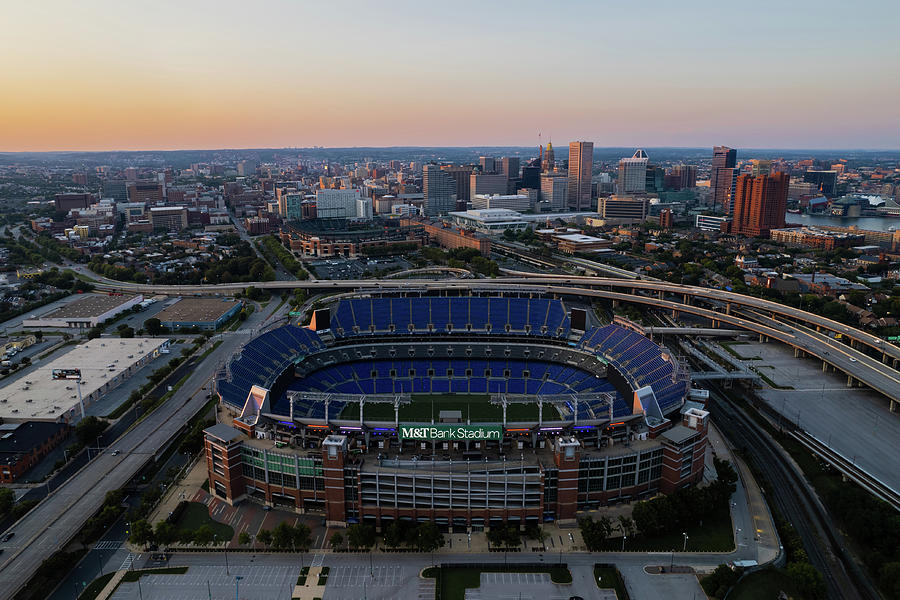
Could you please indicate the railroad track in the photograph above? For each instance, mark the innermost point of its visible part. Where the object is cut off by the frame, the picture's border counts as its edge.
(848, 468)
(789, 492)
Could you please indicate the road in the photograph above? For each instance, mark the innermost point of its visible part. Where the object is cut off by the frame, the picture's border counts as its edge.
(663, 288)
(50, 525)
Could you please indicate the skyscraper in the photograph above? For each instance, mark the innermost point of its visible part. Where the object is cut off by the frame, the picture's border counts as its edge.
(760, 167)
(440, 190)
(488, 164)
(581, 159)
(460, 174)
(722, 177)
(686, 176)
(633, 173)
(759, 203)
(554, 191)
(509, 166)
(549, 159)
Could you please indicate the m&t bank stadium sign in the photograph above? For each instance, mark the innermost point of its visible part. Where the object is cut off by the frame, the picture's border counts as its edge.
(453, 433)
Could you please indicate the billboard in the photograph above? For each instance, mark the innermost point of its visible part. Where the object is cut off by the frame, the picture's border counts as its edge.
(448, 433)
(66, 373)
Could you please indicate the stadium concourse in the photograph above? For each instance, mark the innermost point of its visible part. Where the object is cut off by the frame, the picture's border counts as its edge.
(468, 411)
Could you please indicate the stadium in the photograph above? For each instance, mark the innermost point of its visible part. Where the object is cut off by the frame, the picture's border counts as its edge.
(467, 411)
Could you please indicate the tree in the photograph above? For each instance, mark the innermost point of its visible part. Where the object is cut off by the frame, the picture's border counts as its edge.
(336, 539)
(94, 332)
(361, 536)
(89, 429)
(264, 537)
(39, 335)
(204, 535)
(393, 535)
(165, 533)
(126, 332)
(244, 538)
(153, 326)
(141, 533)
(7, 500)
(808, 580)
(626, 525)
(430, 537)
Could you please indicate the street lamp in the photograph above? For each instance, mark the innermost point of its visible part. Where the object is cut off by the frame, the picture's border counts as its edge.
(684, 548)
(624, 537)
(237, 586)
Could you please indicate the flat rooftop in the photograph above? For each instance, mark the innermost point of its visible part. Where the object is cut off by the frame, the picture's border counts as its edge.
(91, 305)
(196, 310)
(37, 396)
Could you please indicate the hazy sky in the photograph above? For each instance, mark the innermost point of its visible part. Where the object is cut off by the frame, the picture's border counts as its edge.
(95, 74)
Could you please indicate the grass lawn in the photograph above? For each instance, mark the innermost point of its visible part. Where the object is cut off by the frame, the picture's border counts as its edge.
(196, 514)
(95, 587)
(610, 578)
(474, 406)
(455, 580)
(135, 575)
(763, 585)
(715, 535)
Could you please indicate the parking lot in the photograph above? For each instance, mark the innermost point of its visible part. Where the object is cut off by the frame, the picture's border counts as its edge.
(258, 582)
(357, 268)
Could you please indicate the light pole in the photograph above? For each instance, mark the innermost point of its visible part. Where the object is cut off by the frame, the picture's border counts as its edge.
(237, 586)
(624, 537)
(684, 548)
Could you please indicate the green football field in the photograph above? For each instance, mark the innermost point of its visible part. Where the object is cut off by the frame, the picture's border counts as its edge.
(476, 407)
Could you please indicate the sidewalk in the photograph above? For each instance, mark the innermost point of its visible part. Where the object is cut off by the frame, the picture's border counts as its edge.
(183, 490)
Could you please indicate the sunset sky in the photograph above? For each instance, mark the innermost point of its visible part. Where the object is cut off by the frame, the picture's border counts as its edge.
(103, 75)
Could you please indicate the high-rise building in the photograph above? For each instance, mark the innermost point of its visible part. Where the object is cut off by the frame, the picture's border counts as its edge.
(168, 218)
(341, 204)
(681, 177)
(666, 219)
(722, 177)
(825, 181)
(581, 159)
(509, 166)
(115, 189)
(486, 183)
(531, 177)
(149, 192)
(554, 191)
(66, 202)
(440, 191)
(290, 204)
(759, 204)
(549, 162)
(655, 179)
(460, 174)
(488, 164)
(760, 167)
(633, 173)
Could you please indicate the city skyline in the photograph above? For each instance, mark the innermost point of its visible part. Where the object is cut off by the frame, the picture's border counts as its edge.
(348, 74)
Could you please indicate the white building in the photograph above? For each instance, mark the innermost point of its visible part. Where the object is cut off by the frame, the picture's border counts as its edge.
(490, 220)
(633, 173)
(405, 210)
(338, 204)
(519, 202)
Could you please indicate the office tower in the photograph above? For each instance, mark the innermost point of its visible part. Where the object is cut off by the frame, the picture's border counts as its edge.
(722, 177)
(759, 204)
(487, 164)
(581, 159)
(633, 173)
(486, 183)
(825, 181)
(554, 191)
(684, 177)
(509, 166)
(549, 162)
(655, 179)
(531, 177)
(246, 168)
(440, 191)
(760, 167)
(115, 189)
(460, 174)
(623, 209)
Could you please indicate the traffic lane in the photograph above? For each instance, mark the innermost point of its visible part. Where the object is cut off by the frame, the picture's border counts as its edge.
(44, 528)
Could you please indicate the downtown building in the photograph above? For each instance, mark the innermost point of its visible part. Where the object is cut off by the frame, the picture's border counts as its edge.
(632, 176)
(722, 178)
(581, 160)
(440, 191)
(759, 204)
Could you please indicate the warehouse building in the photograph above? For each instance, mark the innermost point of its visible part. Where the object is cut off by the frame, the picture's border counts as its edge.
(207, 314)
(51, 392)
(86, 312)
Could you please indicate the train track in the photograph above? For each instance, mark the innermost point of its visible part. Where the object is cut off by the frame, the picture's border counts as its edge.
(790, 494)
(848, 468)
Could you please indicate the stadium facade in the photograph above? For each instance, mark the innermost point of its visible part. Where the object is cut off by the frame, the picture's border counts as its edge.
(466, 411)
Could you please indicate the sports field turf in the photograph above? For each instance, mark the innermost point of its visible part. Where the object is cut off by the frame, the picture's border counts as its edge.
(476, 407)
